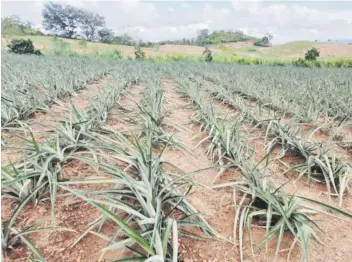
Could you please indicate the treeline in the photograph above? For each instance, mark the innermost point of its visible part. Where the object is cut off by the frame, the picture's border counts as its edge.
(13, 25)
(205, 38)
(76, 23)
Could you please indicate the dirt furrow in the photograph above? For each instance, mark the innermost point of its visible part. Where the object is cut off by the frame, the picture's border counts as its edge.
(80, 100)
(123, 118)
(213, 205)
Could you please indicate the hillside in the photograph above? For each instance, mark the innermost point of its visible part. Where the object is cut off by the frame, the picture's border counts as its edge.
(288, 50)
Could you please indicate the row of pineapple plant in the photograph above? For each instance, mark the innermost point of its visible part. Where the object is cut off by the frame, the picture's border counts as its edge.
(320, 163)
(152, 200)
(277, 212)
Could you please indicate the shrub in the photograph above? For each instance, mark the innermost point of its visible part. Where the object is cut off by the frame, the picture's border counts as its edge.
(21, 46)
(339, 63)
(318, 64)
(265, 41)
(312, 54)
(349, 64)
(208, 57)
(244, 61)
(117, 54)
(301, 63)
(278, 63)
(139, 53)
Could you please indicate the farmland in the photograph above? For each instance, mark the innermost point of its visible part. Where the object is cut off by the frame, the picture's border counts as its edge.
(227, 52)
(109, 160)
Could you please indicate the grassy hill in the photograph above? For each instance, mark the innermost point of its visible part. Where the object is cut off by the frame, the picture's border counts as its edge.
(291, 50)
(287, 51)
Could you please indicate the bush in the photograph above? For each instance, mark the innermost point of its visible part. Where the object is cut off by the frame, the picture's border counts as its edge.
(244, 61)
(265, 41)
(301, 63)
(21, 46)
(257, 62)
(317, 64)
(138, 52)
(312, 54)
(117, 54)
(208, 57)
(278, 63)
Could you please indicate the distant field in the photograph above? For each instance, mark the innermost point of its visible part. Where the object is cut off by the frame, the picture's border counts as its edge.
(287, 51)
(291, 50)
(45, 43)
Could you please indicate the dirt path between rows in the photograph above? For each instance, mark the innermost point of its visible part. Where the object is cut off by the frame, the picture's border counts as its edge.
(213, 205)
(123, 118)
(80, 100)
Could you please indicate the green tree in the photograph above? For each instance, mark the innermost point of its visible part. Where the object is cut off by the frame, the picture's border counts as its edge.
(21, 46)
(105, 35)
(90, 24)
(139, 53)
(67, 21)
(265, 41)
(124, 39)
(62, 20)
(312, 54)
(208, 57)
(14, 25)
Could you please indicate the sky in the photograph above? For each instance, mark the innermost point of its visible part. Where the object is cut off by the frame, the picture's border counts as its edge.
(171, 20)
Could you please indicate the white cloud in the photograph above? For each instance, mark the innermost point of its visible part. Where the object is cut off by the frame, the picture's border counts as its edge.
(152, 21)
(288, 21)
(185, 5)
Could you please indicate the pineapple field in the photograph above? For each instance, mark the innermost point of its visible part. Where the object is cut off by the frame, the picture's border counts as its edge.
(133, 160)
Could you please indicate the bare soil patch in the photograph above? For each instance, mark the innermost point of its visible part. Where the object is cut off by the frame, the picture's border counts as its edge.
(213, 205)
(122, 118)
(336, 49)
